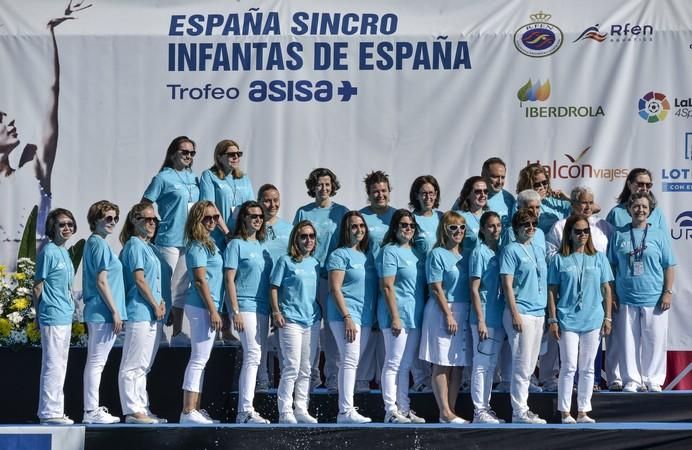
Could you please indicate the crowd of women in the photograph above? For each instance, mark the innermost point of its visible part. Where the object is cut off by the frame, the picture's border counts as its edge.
(484, 286)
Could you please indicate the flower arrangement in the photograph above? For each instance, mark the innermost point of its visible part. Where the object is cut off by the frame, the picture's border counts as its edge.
(18, 326)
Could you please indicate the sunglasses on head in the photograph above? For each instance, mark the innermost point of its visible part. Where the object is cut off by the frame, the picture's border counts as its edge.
(234, 155)
(111, 219)
(188, 152)
(306, 236)
(581, 231)
(453, 228)
(214, 218)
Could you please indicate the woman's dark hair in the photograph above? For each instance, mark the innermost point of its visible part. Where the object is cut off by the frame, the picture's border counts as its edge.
(647, 195)
(390, 235)
(52, 220)
(415, 187)
(466, 190)
(293, 247)
(241, 230)
(566, 244)
(522, 215)
(311, 181)
(484, 219)
(631, 176)
(173, 148)
(345, 232)
(375, 177)
(129, 226)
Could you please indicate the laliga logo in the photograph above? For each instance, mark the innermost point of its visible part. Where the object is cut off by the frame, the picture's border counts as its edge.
(538, 38)
(684, 226)
(534, 92)
(653, 107)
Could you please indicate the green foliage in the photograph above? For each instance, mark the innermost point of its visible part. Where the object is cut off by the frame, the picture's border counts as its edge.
(27, 247)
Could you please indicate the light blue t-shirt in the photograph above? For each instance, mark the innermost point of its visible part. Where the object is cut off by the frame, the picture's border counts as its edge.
(360, 300)
(619, 217)
(538, 239)
(526, 263)
(227, 194)
(377, 227)
(253, 265)
(640, 289)
(577, 273)
(139, 255)
(503, 204)
(278, 235)
(427, 231)
(98, 256)
(166, 276)
(552, 210)
(473, 225)
(197, 255)
(402, 264)
(297, 283)
(172, 191)
(54, 267)
(326, 222)
(443, 266)
(485, 265)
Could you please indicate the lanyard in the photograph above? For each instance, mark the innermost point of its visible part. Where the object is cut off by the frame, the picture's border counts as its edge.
(234, 189)
(580, 278)
(534, 260)
(186, 184)
(638, 251)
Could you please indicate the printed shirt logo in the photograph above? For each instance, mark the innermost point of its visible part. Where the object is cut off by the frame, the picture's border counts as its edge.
(538, 38)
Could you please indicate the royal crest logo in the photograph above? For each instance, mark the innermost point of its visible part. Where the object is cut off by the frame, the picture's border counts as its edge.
(539, 38)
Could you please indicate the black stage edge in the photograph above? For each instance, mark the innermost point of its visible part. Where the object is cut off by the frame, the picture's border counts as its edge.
(20, 374)
(399, 437)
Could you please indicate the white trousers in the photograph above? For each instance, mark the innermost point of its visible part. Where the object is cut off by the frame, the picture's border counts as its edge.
(577, 351)
(175, 258)
(643, 334)
(371, 358)
(201, 342)
(349, 356)
(549, 362)
(613, 351)
(326, 343)
(400, 352)
(298, 348)
(253, 338)
(55, 347)
(525, 348)
(99, 345)
(141, 342)
(486, 353)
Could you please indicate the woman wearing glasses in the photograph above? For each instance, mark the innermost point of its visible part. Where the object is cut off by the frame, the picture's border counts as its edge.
(578, 294)
(643, 262)
(396, 314)
(523, 274)
(174, 190)
(554, 204)
(247, 264)
(638, 180)
(472, 203)
(295, 311)
(486, 315)
(202, 304)
(445, 319)
(145, 311)
(54, 309)
(227, 186)
(104, 305)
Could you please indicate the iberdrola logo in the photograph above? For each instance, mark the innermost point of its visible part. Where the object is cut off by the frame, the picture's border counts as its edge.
(531, 92)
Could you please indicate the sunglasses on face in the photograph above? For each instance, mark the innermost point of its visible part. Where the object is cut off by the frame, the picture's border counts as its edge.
(644, 185)
(214, 218)
(188, 152)
(480, 191)
(407, 225)
(147, 219)
(306, 236)
(111, 219)
(428, 194)
(234, 155)
(255, 216)
(540, 184)
(581, 231)
(529, 224)
(453, 228)
(69, 224)
(357, 226)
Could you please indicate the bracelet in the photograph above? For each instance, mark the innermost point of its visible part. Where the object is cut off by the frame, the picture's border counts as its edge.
(607, 319)
(347, 316)
(276, 313)
(551, 321)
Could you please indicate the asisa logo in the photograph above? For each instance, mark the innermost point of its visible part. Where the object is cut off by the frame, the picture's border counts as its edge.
(653, 107)
(531, 92)
(540, 92)
(683, 226)
(539, 38)
(574, 167)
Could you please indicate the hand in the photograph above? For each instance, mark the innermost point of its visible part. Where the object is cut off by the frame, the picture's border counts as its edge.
(117, 323)
(516, 322)
(279, 320)
(396, 327)
(665, 302)
(216, 322)
(160, 311)
(238, 324)
(607, 328)
(614, 302)
(350, 330)
(169, 322)
(555, 331)
(451, 324)
(482, 330)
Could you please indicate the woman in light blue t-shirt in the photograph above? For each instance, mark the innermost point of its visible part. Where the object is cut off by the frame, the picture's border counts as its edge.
(350, 307)
(54, 309)
(145, 311)
(247, 266)
(578, 293)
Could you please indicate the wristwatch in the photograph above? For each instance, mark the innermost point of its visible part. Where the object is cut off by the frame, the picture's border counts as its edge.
(667, 291)
(551, 321)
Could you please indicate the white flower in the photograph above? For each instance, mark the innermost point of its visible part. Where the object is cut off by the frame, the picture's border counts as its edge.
(14, 317)
(23, 292)
(32, 313)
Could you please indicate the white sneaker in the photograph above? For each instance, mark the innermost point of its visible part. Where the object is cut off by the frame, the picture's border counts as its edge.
(529, 417)
(146, 420)
(250, 417)
(615, 386)
(206, 415)
(549, 386)
(194, 417)
(568, 420)
(100, 415)
(454, 421)
(421, 388)
(395, 417)
(352, 416)
(585, 419)
(362, 387)
(154, 416)
(287, 418)
(304, 417)
(534, 388)
(494, 415)
(630, 387)
(483, 416)
(653, 387)
(503, 386)
(64, 420)
(411, 415)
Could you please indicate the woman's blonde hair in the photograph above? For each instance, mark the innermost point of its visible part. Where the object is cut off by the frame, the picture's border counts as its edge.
(293, 248)
(129, 226)
(195, 230)
(448, 218)
(219, 150)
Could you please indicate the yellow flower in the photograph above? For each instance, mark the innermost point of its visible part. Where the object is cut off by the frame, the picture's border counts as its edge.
(33, 333)
(5, 327)
(20, 304)
(78, 329)
(2, 269)
(19, 276)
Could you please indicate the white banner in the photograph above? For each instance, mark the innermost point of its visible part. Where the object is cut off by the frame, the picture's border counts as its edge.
(590, 89)
(42, 437)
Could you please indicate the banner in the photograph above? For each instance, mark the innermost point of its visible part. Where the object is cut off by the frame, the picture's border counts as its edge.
(42, 437)
(93, 91)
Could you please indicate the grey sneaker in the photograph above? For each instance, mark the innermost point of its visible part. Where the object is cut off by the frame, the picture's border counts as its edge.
(250, 417)
(395, 417)
(411, 415)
